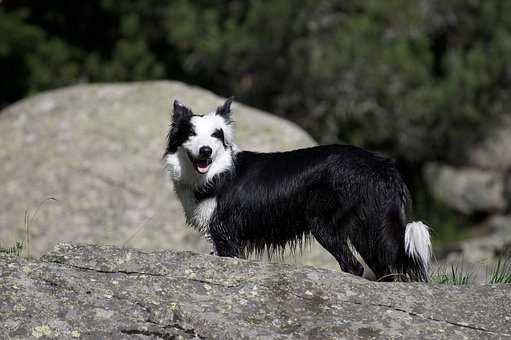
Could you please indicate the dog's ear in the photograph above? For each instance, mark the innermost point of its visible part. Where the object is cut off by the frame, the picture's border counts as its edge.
(225, 110)
(180, 111)
(180, 128)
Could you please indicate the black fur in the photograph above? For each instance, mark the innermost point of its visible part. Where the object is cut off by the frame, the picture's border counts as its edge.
(333, 192)
(181, 128)
(225, 110)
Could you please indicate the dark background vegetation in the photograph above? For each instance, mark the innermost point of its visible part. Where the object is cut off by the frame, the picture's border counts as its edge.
(420, 80)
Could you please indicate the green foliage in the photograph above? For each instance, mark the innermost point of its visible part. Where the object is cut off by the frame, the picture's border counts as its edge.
(17, 249)
(418, 79)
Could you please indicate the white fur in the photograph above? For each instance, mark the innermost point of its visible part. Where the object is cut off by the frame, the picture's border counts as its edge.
(186, 179)
(204, 126)
(202, 214)
(180, 167)
(418, 243)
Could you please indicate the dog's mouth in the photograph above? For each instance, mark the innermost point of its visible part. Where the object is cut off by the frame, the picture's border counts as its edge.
(201, 165)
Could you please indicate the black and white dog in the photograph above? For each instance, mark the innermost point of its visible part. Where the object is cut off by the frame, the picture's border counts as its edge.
(248, 202)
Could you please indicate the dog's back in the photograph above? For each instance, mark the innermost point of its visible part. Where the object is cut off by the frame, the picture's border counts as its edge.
(336, 193)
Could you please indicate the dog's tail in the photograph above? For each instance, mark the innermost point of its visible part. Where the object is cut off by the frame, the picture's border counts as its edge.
(418, 250)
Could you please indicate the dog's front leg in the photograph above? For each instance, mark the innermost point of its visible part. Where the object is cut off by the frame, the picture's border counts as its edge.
(213, 250)
(225, 243)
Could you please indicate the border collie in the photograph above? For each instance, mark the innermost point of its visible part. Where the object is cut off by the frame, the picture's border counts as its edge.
(246, 202)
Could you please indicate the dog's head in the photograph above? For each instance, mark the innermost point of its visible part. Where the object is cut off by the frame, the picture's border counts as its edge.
(204, 142)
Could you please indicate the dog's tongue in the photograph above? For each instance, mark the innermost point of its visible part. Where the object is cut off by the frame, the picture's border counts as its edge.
(202, 166)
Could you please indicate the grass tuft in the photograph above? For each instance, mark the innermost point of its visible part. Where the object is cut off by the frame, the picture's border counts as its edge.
(500, 272)
(16, 249)
(455, 276)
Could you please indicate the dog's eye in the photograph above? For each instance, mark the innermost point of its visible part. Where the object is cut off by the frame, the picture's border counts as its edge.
(219, 133)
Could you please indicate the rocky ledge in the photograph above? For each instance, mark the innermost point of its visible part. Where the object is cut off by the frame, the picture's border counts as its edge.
(90, 292)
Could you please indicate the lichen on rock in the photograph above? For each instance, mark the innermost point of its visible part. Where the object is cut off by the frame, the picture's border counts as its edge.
(85, 291)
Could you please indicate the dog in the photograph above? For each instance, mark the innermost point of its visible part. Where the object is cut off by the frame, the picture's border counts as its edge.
(248, 202)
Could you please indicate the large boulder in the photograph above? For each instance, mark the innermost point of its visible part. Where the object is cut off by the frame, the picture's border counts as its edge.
(96, 149)
(469, 190)
(482, 251)
(99, 292)
(494, 152)
(480, 185)
(482, 182)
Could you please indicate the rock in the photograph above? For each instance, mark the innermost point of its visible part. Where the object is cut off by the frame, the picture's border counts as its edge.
(499, 225)
(485, 249)
(482, 182)
(477, 251)
(480, 186)
(507, 189)
(477, 256)
(468, 190)
(494, 152)
(97, 150)
(91, 292)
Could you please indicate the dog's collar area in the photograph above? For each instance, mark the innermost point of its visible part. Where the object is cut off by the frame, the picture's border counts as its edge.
(210, 189)
(204, 193)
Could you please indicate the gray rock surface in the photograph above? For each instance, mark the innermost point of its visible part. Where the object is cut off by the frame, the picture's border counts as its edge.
(479, 250)
(483, 250)
(97, 150)
(481, 184)
(495, 151)
(468, 190)
(91, 292)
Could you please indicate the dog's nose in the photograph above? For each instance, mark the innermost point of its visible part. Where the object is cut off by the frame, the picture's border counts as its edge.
(205, 151)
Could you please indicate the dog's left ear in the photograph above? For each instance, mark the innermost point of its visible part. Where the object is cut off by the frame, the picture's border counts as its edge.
(180, 111)
(225, 110)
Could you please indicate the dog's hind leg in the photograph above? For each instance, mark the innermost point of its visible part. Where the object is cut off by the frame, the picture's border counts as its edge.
(386, 237)
(335, 240)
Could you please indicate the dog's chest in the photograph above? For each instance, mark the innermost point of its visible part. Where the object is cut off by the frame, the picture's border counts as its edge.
(198, 213)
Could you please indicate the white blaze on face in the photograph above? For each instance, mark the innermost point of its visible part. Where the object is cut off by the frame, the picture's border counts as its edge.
(204, 128)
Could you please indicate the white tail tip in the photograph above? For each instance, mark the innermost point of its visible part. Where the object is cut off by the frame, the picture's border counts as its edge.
(418, 243)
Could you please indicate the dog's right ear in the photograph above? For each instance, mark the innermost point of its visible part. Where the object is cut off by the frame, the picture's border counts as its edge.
(225, 110)
(180, 111)
(180, 127)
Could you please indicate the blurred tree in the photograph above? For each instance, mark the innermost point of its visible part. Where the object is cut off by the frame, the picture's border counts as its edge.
(419, 79)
